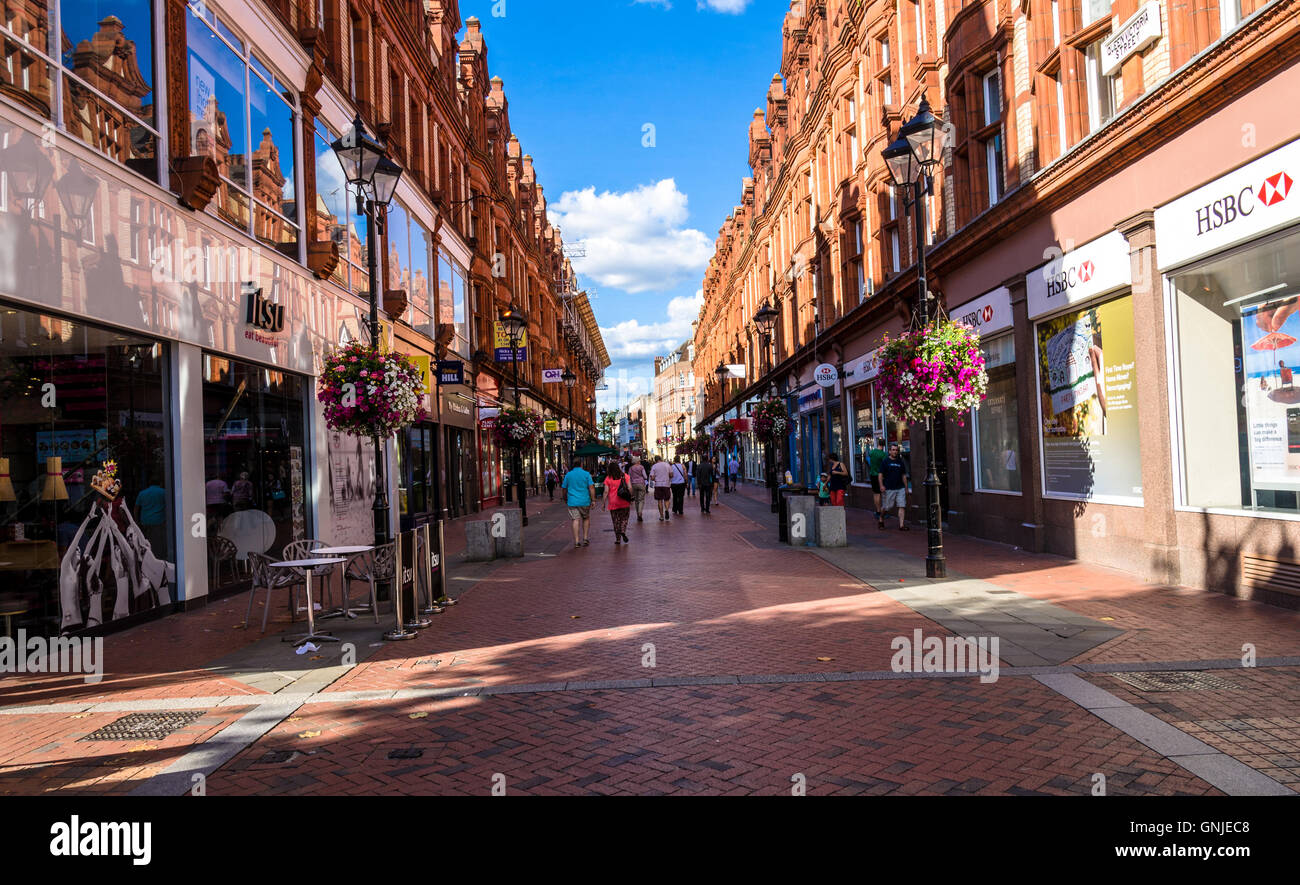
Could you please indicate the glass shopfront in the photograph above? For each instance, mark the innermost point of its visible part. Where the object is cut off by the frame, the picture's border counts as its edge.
(996, 422)
(870, 423)
(417, 459)
(1236, 328)
(86, 513)
(254, 467)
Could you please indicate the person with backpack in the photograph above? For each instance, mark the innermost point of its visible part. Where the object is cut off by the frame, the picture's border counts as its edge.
(678, 485)
(618, 501)
(706, 475)
(551, 480)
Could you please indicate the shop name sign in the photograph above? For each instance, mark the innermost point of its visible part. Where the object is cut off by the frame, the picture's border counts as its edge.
(1093, 269)
(1254, 200)
(863, 368)
(825, 375)
(263, 313)
(988, 314)
(1140, 31)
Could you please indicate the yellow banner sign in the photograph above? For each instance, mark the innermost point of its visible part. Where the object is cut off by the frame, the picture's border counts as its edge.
(502, 336)
(552, 426)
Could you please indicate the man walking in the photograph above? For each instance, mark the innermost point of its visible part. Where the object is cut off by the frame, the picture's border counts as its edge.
(733, 470)
(678, 480)
(661, 479)
(876, 457)
(897, 483)
(551, 479)
(707, 478)
(580, 490)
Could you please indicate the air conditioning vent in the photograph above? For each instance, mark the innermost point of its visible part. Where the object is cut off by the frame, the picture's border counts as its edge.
(1266, 573)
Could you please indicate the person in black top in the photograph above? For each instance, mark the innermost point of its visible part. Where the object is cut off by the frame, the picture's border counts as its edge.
(706, 478)
(839, 480)
(897, 483)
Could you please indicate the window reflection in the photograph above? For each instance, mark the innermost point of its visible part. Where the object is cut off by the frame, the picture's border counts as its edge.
(335, 217)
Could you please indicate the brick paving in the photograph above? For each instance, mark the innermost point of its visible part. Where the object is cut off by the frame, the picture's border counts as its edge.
(710, 604)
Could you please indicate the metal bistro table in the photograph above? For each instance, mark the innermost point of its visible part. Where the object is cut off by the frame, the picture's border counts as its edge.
(308, 565)
(345, 611)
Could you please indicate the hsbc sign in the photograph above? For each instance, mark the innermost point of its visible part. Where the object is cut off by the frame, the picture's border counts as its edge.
(1093, 269)
(1254, 200)
(988, 314)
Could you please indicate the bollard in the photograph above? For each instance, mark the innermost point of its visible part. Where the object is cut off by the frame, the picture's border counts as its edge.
(803, 520)
(507, 527)
(424, 565)
(411, 568)
(479, 546)
(400, 633)
(832, 530)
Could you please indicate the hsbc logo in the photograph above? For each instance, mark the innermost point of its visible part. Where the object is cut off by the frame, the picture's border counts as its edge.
(1231, 207)
(978, 317)
(1085, 272)
(1275, 189)
(1064, 280)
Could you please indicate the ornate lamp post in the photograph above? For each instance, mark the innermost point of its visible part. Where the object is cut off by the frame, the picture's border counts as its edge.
(516, 324)
(374, 176)
(911, 159)
(570, 381)
(765, 319)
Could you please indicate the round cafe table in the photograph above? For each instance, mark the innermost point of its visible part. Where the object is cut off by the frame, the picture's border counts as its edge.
(344, 612)
(307, 565)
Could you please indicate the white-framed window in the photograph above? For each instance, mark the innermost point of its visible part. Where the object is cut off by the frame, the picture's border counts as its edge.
(1056, 23)
(1101, 90)
(919, 9)
(995, 427)
(895, 251)
(1060, 115)
(993, 149)
(1229, 15)
(1094, 10)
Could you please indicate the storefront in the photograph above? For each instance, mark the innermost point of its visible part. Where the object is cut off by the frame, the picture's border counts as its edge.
(86, 511)
(460, 450)
(868, 421)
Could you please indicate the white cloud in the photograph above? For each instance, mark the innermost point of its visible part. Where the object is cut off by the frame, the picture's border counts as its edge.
(633, 340)
(731, 7)
(635, 240)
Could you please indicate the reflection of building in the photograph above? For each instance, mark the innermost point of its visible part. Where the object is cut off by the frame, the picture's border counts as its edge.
(108, 63)
(1073, 134)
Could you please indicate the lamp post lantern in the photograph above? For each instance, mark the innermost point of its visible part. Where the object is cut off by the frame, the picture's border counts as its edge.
(368, 169)
(516, 323)
(910, 160)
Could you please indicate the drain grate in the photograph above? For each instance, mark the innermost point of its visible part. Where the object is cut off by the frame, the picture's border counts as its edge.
(1175, 680)
(406, 753)
(144, 727)
(276, 757)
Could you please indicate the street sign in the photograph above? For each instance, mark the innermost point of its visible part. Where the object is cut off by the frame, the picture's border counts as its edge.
(564, 434)
(502, 342)
(552, 426)
(552, 376)
(451, 372)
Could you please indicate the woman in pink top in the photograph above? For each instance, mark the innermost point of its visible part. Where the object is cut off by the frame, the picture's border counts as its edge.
(619, 509)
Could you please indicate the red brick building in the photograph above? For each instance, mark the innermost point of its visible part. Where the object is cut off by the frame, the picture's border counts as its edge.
(1097, 215)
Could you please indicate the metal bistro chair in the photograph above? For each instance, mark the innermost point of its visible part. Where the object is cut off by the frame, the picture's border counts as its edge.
(268, 579)
(379, 564)
(298, 550)
(222, 551)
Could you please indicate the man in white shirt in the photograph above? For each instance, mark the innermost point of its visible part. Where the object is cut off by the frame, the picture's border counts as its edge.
(661, 477)
(678, 478)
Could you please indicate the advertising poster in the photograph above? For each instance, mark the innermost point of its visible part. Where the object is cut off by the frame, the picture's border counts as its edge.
(1089, 403)
(352, 489)
(1270, 336)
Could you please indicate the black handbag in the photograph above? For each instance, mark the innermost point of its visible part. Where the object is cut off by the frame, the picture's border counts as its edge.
(623, 491)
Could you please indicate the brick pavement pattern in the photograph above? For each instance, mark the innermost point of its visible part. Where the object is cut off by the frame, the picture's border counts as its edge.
(708, 604)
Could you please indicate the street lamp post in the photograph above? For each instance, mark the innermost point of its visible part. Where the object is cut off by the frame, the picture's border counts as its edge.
(570, 381)
(765, 319)
(368, 169)
(721, 372)
(516, 322)
(910, 160)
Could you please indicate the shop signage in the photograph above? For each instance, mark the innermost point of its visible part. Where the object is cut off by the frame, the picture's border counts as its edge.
(1140, 31)
(810, 400)
(864, 368)
(564, 435)
(451, 372)
(488, 414)
(424, 364)
(502, 342)
(1242, 205)
(740, 425)
(988, 314)
(262, 312)
(552, 426)
(552, 376)
(1093, 269)
(825, 375)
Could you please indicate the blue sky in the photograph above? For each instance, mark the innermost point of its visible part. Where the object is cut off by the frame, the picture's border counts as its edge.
(584, 78)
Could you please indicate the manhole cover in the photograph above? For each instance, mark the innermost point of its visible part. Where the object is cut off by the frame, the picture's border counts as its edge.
(144, 727)
(406, 753)
(276, 757)
(1175, 680)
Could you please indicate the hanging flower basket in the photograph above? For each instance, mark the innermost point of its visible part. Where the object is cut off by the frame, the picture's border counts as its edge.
(770, 421)
(518, 427)
(725, 436)
(369, 394)
(688, 447)
(931, 370)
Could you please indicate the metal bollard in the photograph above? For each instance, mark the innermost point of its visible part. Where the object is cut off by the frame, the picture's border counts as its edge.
(400, 633)
(417, 620)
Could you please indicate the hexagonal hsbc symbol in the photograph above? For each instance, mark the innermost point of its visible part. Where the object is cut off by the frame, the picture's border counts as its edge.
(1085, 271)
(1275, 189)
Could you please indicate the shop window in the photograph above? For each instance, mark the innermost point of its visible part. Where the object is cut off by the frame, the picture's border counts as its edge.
(244, 117)
(995, 424)
(1089, 404)
(1101, 89)
(86, 532)
(991, 134)
(254, 469)
(101, 79)
(1237, 327)
(416, 472)
(869, 425)
(335, 216)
